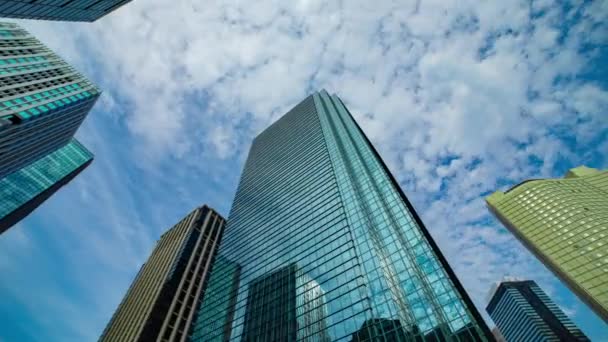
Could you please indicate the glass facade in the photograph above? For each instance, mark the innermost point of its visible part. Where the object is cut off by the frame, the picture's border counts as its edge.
(22, 191)
(322, 245)
(64, 10)
(43, 100)
(524, 313)
(564, 222)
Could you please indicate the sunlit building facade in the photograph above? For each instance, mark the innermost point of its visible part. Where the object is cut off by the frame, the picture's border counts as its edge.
(322, 245)
(43, 100)
(163, 300)
(24, 190)
(524, 313)
(64, 10)
(564, 223)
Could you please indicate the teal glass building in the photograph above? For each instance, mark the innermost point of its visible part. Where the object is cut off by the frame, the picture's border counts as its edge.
(322, 245)
(43, 100)
(64, 10)
(24, 190)
(523, 312)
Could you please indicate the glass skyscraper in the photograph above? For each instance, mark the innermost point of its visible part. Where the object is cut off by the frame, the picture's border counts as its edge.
(64, 10)
(24, 190)
(43, 100)
(524, 313)
(164, 298)
(564, 222)
(322, 245)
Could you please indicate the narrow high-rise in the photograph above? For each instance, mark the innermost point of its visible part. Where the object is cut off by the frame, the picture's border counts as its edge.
(564, 223)
(43, 100)
(164, 298)
(322, 245)
(24, 190)
(524, 313)
(63, 10)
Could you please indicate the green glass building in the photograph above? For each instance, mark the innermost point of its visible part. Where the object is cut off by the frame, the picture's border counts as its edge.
(564, 222)
(24, 190)
(64, 10)
(43, 100)
(322, 245)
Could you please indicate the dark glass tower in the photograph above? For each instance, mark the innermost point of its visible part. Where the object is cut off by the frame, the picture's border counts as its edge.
(24, 190)
(280, 302)
(222, 290)
(524, 313)
(43, 100)
(164, 298)
(64, 10)
(327, 245)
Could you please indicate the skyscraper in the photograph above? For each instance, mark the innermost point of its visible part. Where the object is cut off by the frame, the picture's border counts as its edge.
(564, 222)
(164, 298)
(24, 190)
(524, 313)
(43, 100)
(316, 203)
(64, 10)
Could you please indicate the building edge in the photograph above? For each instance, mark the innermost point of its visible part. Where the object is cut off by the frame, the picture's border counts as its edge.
(465, 297)
(28, 207)
(206, 214)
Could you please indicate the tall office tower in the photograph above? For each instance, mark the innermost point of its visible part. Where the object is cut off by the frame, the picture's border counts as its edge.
(24, 190)
(43, 100)
(64, 10)
(524, 313)
(316, 208)
(564, 222)
(164, 298)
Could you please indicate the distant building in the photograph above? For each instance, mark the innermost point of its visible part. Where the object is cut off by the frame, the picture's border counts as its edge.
(163, 300)
(564, 222)
(43, 100)
(320, 228)
(524, 313)
(63, 10)
(24, 190)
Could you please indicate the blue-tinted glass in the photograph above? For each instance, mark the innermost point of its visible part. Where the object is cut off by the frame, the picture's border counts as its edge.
(523, 312)
(22, 186)
(320, 245)
(58, 10)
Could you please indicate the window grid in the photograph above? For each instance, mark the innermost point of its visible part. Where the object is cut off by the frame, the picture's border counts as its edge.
(315, 244)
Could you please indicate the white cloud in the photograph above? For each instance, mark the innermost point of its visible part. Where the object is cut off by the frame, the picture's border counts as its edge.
(190, 83)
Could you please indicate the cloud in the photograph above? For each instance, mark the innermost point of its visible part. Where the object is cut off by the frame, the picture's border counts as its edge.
(460, 97)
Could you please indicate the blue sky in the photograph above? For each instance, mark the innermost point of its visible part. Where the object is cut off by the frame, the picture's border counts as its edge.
(461, 98)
